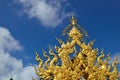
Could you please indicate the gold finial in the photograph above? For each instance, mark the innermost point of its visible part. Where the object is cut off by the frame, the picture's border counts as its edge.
(73, 20)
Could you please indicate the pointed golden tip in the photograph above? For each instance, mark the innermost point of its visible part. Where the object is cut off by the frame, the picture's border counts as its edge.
(73, 20)
(116, 57)
(36, 53)
(33, 78)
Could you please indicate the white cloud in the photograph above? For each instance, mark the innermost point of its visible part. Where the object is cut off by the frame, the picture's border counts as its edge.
(113, 56)
(7, 42)
(50, 13)
(10, 64)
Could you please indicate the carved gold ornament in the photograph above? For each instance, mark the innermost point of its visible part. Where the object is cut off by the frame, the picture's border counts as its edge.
(86, 64)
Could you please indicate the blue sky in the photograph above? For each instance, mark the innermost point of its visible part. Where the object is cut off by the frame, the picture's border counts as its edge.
(31, 25)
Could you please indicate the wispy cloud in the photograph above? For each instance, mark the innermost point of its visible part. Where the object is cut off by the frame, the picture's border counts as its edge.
(113, 56)
(7, 42)
(50, 13)
(9, 64)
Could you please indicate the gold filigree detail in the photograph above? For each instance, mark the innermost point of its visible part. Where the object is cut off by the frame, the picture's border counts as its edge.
(85, 64)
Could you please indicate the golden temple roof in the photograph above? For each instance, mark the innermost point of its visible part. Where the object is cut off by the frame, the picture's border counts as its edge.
(85, 65)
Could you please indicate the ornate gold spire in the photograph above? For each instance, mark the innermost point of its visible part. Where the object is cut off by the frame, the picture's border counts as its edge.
(86, 64)
(73, 20)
